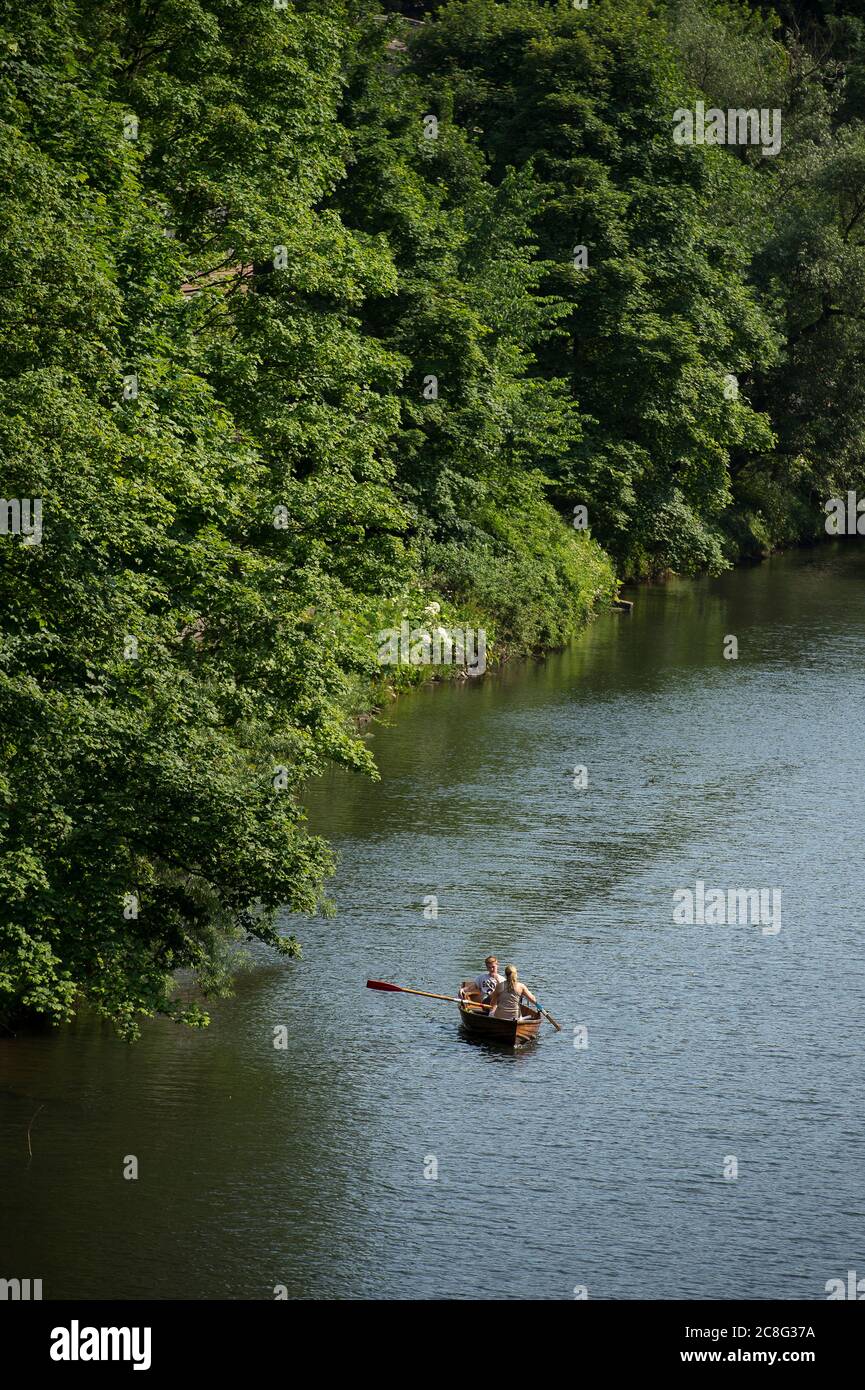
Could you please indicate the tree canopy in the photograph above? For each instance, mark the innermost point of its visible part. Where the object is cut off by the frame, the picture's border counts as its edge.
(315, 319)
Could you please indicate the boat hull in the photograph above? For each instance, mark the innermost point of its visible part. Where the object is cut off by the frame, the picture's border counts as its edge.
(503, 1030)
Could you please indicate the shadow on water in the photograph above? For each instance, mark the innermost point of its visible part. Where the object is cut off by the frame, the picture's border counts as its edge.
(496, 1048)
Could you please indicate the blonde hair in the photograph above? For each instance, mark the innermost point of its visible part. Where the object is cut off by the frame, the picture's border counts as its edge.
(511, 978)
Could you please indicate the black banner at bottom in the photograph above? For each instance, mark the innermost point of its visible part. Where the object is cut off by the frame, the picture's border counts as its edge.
(153, 1338)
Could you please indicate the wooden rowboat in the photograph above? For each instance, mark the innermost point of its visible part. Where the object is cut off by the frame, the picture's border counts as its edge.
(475, 1016)
(504, 1030)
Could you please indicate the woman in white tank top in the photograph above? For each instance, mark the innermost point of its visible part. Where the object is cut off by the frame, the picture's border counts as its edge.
(507, 997)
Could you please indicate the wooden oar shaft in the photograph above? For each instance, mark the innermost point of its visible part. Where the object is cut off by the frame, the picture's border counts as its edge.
(449, 998)
(403, 989)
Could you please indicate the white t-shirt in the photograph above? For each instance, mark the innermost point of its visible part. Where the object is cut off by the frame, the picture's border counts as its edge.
(487, 983)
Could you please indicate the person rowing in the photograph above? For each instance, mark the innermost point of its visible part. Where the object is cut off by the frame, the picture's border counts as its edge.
(487, 982)
(508, 996)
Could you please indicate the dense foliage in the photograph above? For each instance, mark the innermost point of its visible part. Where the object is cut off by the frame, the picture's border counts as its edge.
(299, 343)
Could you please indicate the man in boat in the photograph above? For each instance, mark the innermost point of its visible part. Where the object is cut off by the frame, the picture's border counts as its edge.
(488, 982)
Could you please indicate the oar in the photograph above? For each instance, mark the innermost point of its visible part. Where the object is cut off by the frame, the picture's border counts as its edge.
(402, 989)
(548, 1017)
(452, 999)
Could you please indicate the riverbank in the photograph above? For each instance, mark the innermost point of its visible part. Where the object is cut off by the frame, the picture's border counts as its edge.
(530, 594)
(406, 645)
(703, 1042)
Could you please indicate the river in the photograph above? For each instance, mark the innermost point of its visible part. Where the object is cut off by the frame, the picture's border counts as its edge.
(559, 1167)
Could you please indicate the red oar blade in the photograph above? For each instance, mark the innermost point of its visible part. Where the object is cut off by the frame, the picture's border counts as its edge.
(382, 984)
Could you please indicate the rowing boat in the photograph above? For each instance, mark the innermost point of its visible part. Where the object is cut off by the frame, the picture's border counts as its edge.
(504, 1030)
(475, 1016)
